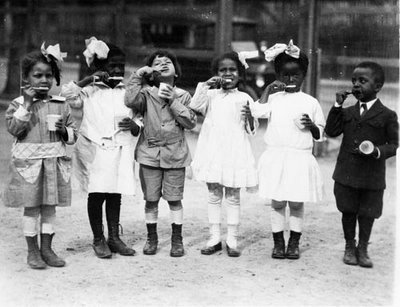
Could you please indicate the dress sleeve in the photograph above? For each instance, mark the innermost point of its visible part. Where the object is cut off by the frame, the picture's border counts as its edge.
(70, 125)
(74, 94)
(261, 110)
(201, 100)
(18, 119)
(319, 120)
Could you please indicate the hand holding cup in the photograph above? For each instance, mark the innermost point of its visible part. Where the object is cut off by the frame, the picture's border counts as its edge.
(166, 92)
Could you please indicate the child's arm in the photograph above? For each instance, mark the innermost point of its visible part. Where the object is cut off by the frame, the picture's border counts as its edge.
(179, 107)
(334, 122)
(66, 127)
(272, 88)
(388, 149)
(201, 99)
(134, 97)
(74, 94)
(250, 122)
(316, 123)
(18, 118)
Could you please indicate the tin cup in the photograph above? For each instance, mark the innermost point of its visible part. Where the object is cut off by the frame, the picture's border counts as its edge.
(297, 122)
(366, 147)
(161, 87)
(51, 120)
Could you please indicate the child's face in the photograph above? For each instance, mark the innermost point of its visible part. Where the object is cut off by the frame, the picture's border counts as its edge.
(291, 74)
(40, 76)
(165, 67)
(228, 71)
(365, 87)
(115, 67)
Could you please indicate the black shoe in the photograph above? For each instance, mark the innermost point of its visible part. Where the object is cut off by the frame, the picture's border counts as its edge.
(232, 252)
(279, 245)
(176, 241)
(101, 248)
(48, 255)
(34, 259)
(350, 256)
(362, 255)
(150, 248)
(292, 251)
(115, 243)
(209, 250)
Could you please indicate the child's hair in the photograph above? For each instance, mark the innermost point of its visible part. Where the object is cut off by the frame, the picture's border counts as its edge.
(34, 57)
(113, 52)
(377, 70)
(169, 55)
(234, 57)
(284, 58)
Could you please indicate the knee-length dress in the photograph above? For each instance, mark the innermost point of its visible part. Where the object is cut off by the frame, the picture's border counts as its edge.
(287, 169)
(103, 155)
(40, 168)
(223, 152)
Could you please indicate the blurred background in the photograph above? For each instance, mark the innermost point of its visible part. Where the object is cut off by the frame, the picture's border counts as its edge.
(336, 34)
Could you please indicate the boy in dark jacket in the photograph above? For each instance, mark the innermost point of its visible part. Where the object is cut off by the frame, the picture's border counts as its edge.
(360, 173)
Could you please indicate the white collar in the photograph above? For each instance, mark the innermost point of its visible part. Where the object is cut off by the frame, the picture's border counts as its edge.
(369, 103)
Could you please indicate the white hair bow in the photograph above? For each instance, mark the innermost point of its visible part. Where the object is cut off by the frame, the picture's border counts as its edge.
(94, 48)
(275, 50)
(54, 51)
(243, 55)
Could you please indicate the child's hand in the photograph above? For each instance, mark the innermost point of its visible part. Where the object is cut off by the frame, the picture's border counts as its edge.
(246, 112)
(145, 71)
(126, 124)
(60, 127)
(276, 86)
(341, 96)
(167, 93)
(100, 76)
(214, 81)
(306, 121)
(29, 93)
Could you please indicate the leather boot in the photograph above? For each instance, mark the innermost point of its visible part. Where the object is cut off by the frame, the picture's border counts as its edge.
(100, 245)
(150, 248)
(362, 255)
(279, 245)
(34, 259)
(292, 251)
(48, 255)
(350, 257)
(176, 241)
(114, 242)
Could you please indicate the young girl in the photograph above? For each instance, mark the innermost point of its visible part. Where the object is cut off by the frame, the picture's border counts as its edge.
(104, 150)
(39, 178)
(288, 172)
(223, 158)
(162, 150)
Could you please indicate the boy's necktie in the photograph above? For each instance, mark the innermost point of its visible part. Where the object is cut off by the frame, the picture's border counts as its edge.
(364, 109)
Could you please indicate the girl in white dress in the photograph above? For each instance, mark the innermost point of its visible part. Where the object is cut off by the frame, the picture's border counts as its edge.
(104, 152)
(223, 158)
(288, 171)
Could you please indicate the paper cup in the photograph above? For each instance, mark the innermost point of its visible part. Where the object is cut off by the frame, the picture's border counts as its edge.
(297, 122)
(366, 147)
(51, 121)
(161, 87)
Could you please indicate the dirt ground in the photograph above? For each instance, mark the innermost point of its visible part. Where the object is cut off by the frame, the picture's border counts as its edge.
(255, 279)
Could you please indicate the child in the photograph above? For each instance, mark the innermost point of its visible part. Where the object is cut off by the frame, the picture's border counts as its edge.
(359, 175)
(104, 150)
(288, 172)
(39, 177)
(223, 158)
(162, 150)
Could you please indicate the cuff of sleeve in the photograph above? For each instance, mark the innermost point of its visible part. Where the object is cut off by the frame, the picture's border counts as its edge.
(71, 136)
(379, 153)
(337, 105)
(22, 114)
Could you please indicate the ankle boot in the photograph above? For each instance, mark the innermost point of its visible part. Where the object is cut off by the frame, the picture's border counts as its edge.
(114, 242)
(48, 255)
(279, 245)
(176, 241)
(350, 253)
(101, 248)
(292, 251)
(150, 248)
(34, 259)
(362, 255)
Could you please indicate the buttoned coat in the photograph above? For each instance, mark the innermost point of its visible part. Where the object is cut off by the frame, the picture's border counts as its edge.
(378, 125)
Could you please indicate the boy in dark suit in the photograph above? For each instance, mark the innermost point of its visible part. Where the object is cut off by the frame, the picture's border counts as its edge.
(359, 174)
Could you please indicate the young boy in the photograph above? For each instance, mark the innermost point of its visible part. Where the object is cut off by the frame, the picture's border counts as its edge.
(162, 150)
(360, 175)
